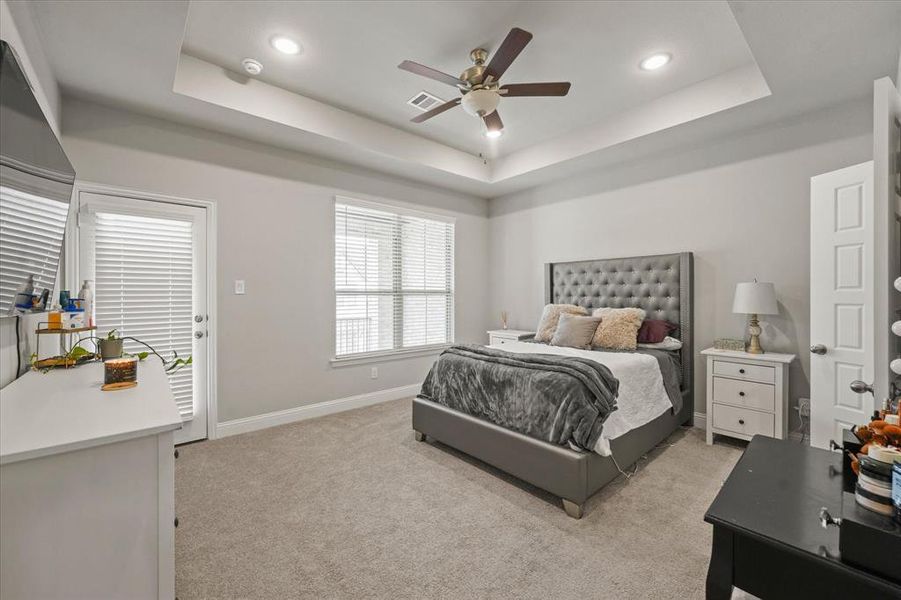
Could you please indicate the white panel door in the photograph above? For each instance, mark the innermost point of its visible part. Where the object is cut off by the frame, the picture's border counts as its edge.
(148, 261)
(887, 192)
(842, 272)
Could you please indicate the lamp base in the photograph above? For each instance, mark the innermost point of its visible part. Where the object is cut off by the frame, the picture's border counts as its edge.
(754, 329)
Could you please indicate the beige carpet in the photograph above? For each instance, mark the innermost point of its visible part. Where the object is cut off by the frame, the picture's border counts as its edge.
(350, 506)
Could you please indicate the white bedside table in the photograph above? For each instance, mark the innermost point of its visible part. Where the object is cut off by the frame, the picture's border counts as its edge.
(747, 394)
(502, 336)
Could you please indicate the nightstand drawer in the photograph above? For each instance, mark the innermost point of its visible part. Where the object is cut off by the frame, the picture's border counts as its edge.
(499, 340)
(742, 420)
(744, 371)
(760, 396)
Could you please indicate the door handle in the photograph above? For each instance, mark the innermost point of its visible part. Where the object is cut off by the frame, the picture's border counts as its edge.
(818, 349)
(198, 318)
(861, 387)
(198, 334)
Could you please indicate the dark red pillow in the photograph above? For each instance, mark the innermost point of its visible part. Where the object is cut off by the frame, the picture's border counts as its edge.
(653, 331)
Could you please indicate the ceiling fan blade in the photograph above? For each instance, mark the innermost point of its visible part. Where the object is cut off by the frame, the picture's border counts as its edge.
(560, 88)
(510, 48)
(436, 111)
(412, 67)
(493, 122)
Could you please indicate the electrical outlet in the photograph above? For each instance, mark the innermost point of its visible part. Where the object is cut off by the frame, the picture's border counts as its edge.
(239, 286)
(804, 407)
(374, 373)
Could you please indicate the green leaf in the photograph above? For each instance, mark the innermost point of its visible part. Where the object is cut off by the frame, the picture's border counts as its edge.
(143, 355)
(77, 352)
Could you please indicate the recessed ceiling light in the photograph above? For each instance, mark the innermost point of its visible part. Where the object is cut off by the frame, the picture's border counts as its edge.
(285, 45)
(494, 133)
(252, 66)
(655, 61)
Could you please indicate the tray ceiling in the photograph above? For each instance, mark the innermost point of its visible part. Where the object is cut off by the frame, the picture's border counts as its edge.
(343, 98)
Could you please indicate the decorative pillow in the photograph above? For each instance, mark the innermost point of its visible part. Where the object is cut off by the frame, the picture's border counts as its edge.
(574, 331)
(618, 329)
(549, 317)
(668, 343)
(653, 331)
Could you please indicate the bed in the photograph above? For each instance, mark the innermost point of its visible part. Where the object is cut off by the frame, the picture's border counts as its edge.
(662, 285)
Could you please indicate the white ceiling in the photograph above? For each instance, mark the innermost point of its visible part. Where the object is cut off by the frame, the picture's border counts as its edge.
(343, 98)
(352, 53)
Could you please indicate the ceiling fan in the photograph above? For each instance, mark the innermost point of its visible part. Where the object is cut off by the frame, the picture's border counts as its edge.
(480, 84)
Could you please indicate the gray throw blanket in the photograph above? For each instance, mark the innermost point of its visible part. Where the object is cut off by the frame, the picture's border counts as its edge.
(556, 399)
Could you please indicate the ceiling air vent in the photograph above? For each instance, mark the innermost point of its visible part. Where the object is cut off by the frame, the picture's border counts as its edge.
(424, 101)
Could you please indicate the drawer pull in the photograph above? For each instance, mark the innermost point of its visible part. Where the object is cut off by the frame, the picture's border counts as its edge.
(742, 394)
(741, 421)
(176, 521)
(176, 453)
(742, 371)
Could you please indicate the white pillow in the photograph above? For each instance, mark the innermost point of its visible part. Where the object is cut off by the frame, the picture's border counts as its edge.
(668, 343)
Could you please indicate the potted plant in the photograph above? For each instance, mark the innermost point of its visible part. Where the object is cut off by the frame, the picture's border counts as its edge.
(111, 346)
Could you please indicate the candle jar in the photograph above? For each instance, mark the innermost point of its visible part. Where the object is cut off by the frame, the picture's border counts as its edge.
(120, 370)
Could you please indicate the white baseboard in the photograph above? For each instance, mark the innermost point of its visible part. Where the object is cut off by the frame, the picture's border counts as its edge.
(311, 411)
(700, 421)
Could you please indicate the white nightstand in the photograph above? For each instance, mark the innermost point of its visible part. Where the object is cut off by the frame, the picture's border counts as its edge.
(747, 394)
(502, 336)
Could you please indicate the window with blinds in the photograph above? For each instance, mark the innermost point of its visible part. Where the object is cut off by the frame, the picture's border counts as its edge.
(394, 279)
(31, 238)
(143, 288)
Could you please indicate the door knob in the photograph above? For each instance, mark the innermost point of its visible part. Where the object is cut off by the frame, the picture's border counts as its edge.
(818, 349)
(198, 334)
(198, 318)
(861, 387)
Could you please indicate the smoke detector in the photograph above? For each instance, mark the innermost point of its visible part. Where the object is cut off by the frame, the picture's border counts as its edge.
(425, 101)
(252, 66)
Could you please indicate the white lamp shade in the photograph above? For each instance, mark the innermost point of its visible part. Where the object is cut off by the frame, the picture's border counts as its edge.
(755, 298)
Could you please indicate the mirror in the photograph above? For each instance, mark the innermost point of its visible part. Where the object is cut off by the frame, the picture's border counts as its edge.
(36, 181)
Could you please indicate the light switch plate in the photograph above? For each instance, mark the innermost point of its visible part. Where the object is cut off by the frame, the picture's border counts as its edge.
(239, 286)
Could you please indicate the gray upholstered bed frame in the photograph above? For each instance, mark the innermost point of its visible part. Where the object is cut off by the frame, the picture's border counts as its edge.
(662, 285)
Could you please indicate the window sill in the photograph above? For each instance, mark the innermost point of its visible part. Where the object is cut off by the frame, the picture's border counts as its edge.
(389, 355)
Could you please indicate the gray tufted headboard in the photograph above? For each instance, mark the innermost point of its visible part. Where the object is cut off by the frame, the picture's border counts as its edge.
(662, 285)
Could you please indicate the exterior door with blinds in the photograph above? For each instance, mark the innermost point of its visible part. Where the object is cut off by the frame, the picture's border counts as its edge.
(148, 262)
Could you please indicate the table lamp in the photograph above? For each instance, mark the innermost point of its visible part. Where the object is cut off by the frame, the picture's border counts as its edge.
(755, 298)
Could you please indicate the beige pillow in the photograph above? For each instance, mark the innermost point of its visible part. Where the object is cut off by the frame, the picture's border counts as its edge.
(618, 329)
(549, 317)
(574, 331)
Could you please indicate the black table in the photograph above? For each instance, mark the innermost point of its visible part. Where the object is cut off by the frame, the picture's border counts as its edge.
(767, 538)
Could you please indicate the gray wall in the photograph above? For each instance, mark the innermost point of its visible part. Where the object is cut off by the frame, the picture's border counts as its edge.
(742, 207)
(275, 230)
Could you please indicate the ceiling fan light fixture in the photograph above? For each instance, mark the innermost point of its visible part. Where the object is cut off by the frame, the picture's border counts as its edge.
(493, 134)
(285, 45)
(480, 103)
(655, 61)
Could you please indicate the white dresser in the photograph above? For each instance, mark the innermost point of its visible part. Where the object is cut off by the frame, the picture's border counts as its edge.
(747, 394)
(87, 486)
(501, 336)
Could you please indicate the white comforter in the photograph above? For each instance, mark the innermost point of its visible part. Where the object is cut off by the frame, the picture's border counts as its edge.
(642, 397)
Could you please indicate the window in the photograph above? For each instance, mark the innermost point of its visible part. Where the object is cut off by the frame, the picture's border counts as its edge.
(394, 279)
(31, 237)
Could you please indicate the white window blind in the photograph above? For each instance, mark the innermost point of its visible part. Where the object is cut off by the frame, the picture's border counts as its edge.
(143, 271)
(31, 237)
(394, 279)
